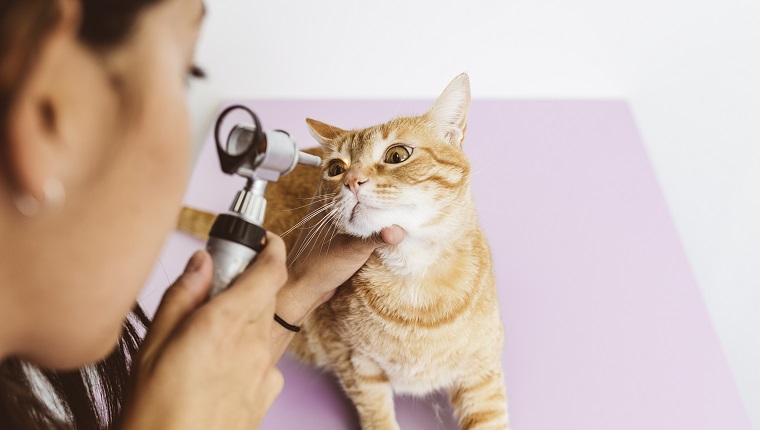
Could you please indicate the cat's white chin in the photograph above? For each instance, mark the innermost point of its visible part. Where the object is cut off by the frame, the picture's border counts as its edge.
(364, 221)
(360, 222)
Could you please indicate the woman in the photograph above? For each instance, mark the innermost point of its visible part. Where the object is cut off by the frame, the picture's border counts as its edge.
(94, 155)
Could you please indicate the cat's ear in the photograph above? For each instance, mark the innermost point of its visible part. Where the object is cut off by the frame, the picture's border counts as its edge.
(324, 133)
(449, 113)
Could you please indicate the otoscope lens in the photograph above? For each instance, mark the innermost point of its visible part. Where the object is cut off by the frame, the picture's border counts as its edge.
(240, 140)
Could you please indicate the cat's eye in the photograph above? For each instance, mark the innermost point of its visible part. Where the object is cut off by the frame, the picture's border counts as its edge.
(397, 154)
(336, 168)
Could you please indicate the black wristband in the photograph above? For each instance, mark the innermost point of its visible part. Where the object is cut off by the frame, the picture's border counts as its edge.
(293, 328)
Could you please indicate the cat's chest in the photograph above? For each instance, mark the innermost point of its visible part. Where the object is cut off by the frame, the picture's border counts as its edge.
(436, 296)
(417, 322)
(413, 258)
(416, 361)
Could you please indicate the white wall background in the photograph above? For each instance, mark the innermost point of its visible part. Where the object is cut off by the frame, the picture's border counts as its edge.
(690, 68)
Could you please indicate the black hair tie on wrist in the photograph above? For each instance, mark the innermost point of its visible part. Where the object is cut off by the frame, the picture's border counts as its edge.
(293, 328)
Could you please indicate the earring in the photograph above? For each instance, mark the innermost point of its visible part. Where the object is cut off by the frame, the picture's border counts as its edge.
(55, 196)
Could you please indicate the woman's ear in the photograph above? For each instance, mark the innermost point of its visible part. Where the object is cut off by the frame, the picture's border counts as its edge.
(323, 133)
(449, 113)
(35, 134)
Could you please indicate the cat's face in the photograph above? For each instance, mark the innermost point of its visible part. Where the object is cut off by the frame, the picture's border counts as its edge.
(408, 172)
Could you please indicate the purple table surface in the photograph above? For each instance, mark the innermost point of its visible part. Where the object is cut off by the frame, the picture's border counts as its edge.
(605, 326)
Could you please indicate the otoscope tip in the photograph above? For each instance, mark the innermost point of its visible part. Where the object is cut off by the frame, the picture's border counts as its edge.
(309, 160)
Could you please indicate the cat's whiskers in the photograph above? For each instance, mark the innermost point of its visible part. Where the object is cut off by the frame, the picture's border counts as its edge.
(330, 229)
(308, 218)
(316, 200)
(327, 228)
(316, 196)
(326, 223)
(314, 233)
(322, 196)
(329, 242)
(490, 163)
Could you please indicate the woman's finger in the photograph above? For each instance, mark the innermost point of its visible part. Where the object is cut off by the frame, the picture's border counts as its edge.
(273, 384)
(354, 252)
(266, 392)
(392, 235)
(184, 296)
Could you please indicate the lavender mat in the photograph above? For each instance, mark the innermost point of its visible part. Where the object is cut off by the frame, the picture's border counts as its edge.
(605, 326)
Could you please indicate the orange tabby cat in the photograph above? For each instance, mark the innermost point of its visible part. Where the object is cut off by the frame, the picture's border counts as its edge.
(420, 316)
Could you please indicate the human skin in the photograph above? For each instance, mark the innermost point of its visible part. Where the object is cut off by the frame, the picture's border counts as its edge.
(112, 127)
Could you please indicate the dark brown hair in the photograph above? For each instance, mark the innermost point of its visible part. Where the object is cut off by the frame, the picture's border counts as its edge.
(89, 398)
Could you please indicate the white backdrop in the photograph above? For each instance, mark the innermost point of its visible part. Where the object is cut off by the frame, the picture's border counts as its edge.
(691, 70)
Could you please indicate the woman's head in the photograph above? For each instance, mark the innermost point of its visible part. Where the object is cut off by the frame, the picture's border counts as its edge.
(91, 97)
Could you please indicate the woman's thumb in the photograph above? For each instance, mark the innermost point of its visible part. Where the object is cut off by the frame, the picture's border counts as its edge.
(184, 296)
(392, 235)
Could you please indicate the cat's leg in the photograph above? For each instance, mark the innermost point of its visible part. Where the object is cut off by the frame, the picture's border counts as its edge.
(480, 402)
(368, 387)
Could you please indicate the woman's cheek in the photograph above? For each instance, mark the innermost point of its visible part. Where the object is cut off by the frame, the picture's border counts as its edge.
(169, 127)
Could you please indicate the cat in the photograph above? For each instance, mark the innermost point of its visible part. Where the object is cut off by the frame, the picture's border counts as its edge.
(420, 316)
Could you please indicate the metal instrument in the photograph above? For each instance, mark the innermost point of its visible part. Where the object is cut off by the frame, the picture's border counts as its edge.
(260, 157)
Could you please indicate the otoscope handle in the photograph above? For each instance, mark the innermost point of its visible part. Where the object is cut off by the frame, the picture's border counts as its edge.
(233, 244)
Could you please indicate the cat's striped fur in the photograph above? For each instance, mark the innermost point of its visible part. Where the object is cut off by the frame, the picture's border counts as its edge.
(420, 316)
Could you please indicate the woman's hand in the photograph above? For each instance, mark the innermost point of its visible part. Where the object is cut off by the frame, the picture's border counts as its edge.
(210, 365)
(316, 275)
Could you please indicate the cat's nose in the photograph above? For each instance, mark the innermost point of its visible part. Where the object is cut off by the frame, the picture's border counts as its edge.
(354, 183)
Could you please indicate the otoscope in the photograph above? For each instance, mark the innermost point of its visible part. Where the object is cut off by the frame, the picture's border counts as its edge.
(237, 237)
